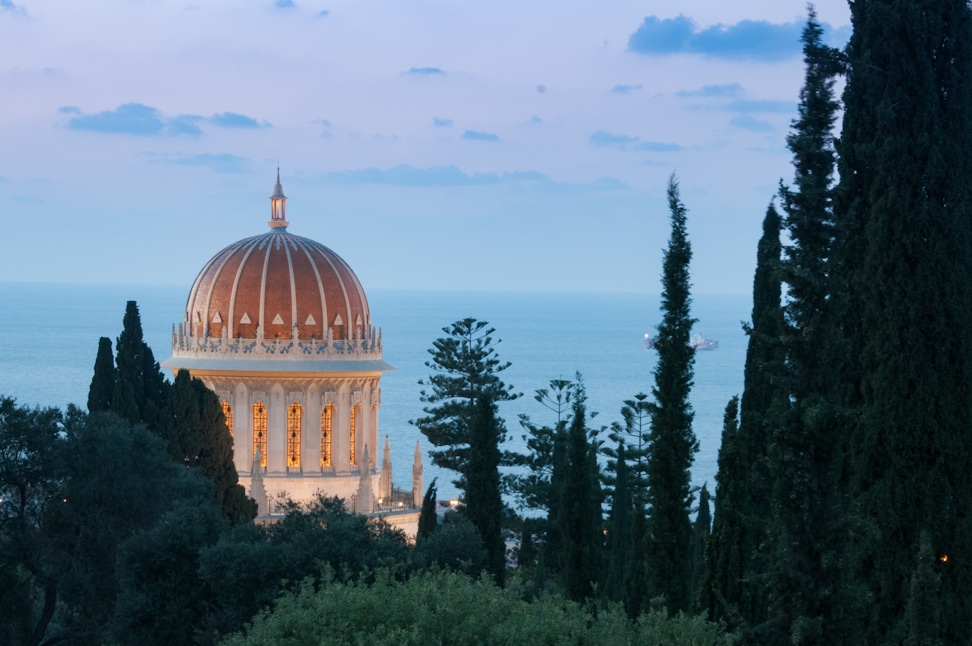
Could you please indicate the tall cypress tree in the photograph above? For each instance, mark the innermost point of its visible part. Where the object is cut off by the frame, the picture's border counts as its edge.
(809, 219)
(905, 223)
(194, 428)
(673, 442)
(701, 532)
(723, 596)
(140, 387)
(804, 568)
(103, 383)
(580, 519)
(619, 527)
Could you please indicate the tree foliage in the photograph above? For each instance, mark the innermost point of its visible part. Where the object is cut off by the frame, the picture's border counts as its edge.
(462, 418)
(672, 441)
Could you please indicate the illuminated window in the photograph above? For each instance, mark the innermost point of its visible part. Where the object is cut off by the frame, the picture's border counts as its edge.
(326, 417)
(228, 414)
(260, 432)
(354, 415)
(293, 435)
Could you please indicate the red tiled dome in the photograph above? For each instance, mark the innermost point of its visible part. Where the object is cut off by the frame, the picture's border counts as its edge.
(277, 281)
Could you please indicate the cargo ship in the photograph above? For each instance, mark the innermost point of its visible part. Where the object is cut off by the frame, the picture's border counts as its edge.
(696, 342)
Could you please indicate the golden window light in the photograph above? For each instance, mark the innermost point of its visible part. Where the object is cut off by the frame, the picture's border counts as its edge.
(327, 416)
(260, 432)
(293, 435)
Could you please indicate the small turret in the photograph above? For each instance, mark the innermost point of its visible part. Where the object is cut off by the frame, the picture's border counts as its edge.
(385, 483)
(257, 492)
(364, 499)
(278, 206)
(417, 472)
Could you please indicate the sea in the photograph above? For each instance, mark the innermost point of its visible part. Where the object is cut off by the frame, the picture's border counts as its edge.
(50, 338)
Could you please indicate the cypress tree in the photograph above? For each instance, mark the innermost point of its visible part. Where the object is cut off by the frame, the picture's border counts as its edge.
(619, 527)
(905, 227)
(701, 531)
(805, 564)
(923, 602)
(673, 443)
(139, 393)
(580, 508)
(103, 383)
(194, 428)
(725, 595)
(809, 219)
(483, 504)
(427, 518)
(744, 482)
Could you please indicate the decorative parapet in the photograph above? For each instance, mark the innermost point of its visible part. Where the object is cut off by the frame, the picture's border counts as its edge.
(367, 347)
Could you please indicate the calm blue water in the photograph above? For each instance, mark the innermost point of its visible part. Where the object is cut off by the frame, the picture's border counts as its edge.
(50, 338)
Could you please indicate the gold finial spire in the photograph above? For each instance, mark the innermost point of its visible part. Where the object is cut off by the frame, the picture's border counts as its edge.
(278, 205)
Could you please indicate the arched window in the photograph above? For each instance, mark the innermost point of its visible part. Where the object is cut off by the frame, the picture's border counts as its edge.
(228, 414)
(354, 417)
(260, 432)
(326, 416)
(293, 435)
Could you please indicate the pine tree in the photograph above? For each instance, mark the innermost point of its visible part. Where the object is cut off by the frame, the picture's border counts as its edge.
(103, 383)
(673, 443)
(462, 418)
(904, 224)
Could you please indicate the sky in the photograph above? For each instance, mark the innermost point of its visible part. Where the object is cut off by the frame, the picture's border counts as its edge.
(501, 145)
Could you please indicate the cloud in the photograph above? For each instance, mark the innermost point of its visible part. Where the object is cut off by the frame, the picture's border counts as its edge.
(747, 122)
(476, 135)
(436, 176)
(714, 91)
(747, 39)
(451, 176)
(761, 106)
(69, 109)
(284, 4)
(217, 162)
(602, 138)
(8, 5)
(658, 146)
(323, 14)
(424, 71)
(439, 122)
(626, 89)
(235, 120)
(133, 119)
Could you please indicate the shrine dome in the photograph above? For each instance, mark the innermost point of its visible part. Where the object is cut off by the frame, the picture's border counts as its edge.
(277, 294)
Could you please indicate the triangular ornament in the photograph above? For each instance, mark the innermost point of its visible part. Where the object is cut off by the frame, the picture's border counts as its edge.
(338, 320)
(245, 319)
(217, 318)
(277, 320)
(310, 320)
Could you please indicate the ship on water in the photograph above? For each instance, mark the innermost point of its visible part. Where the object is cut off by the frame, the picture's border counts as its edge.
(696, 342)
